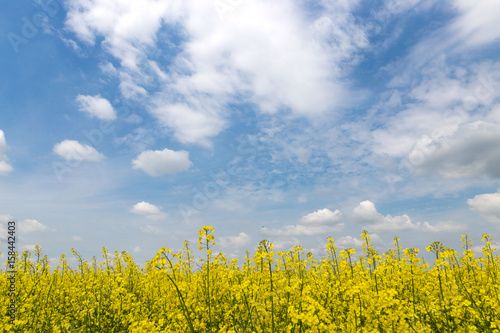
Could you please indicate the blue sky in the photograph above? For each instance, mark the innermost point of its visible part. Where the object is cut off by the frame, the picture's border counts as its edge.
(131, 124)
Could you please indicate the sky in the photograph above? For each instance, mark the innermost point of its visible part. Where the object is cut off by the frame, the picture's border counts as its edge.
(131, 124)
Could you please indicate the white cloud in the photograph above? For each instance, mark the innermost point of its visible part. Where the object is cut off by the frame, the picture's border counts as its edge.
(478, 249)
(127, 27)
(474, 26)
(145, 208)
(5, 218)
(3, 143)
(473, 151)
(107, 68)
(349, 241)
(495, 113)
(284, 243)
(246, 55)
(3, 221)
(191, 124)
(302, 230)
(322, 216)
(96, 106)
(241, 240)
(72, 150)
(30, 225)
(443, 227)
(160, 162)
(136, 249)
(477, 23)
(28, 247)
(487, 205)
(148, 210)
(5, 167)
(402, 131)
(446, 128)
(249, 55)
(26, 226)
(322, 221)
(366, 214)
(442, 102)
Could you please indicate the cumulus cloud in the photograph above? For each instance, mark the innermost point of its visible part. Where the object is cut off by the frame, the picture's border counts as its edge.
(349, 241)
(30, 225)
(96, 106)
(443, 227)
(367, 215)
(72, 150)
(443, 99)
(148, 210)
(5, 167)
(25, 226)
(241, 240)
(322, 216)
(487, 205)
(319, 222)
(473, 151)
(160, 162)
(302, 230)
(285, 243)
(366, 212)
(478, 249)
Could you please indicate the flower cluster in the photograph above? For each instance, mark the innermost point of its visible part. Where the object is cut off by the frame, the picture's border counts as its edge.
(290, 291)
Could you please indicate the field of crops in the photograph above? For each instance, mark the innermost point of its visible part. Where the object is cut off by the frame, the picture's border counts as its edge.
(396, 291)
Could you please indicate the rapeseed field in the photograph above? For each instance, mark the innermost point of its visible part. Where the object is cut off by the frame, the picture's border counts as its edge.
(292, 291)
